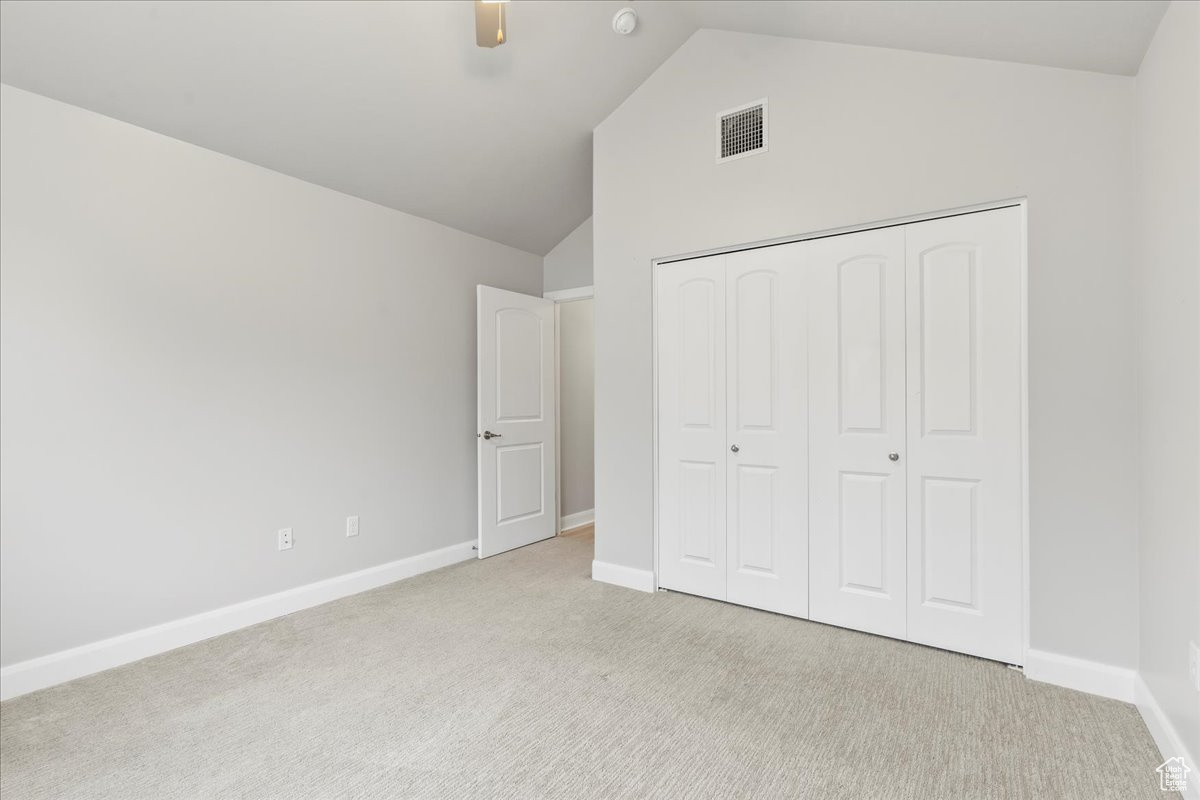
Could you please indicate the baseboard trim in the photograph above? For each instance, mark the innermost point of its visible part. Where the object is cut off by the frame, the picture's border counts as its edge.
(1170, 743)
(39, 673)
(576, 520)
(630, 578)
(1092, 677)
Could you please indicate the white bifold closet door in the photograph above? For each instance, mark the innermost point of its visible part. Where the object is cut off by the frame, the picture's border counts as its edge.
(691, 427)
(915, 430)
(840, 430)
(766, 408)
(732, 417)
(857, 431)
(964, 433)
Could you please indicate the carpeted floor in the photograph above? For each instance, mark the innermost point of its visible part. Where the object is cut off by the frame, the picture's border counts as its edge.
(518, 677)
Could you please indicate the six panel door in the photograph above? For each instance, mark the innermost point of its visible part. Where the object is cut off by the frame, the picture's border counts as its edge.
(856, 429)
(964, 433)
(766, 508)
(691, 426)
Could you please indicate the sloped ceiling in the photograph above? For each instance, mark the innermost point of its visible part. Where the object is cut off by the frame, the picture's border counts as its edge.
(394, 103)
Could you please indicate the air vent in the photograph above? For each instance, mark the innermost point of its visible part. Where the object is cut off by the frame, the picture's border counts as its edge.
(742, 131)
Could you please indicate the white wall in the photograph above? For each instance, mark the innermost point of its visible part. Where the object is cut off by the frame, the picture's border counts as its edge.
(569, 264)
(860, 134)
(1168, 284)
(196, 352)
(576, 394)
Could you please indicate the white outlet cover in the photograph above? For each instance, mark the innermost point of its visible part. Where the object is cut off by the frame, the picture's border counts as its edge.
(285, 538)
(352, 526)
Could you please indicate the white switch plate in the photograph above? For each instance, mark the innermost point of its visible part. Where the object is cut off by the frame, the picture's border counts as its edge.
(352, 526)
(1194, 664)
(285, 538)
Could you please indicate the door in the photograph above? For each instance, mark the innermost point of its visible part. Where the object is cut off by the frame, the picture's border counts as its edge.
(964, 433)
(517, 498)
(857, 430)
(766, 451)
(691, 426)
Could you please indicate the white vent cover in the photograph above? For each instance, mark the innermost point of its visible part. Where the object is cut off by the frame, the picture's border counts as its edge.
(742, 131)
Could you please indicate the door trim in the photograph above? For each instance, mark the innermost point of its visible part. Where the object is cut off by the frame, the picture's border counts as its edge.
(563, 295)
(1020, 202)
(827, 232)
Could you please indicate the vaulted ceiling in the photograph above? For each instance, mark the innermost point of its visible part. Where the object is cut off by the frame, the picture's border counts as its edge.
(394, 103)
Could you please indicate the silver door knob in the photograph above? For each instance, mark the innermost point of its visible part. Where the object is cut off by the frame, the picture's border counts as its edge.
(734, 449)
(894, 456)
(490, 435)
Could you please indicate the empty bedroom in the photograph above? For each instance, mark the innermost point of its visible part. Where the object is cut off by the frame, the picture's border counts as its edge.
(600, 399)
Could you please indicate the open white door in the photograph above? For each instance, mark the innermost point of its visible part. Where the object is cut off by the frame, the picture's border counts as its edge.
(517, 494)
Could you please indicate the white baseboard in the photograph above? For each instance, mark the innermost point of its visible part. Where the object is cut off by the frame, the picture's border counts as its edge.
(1092, 677)
(38, 673)
(1170, 743)
(576, 520)
(630, 578)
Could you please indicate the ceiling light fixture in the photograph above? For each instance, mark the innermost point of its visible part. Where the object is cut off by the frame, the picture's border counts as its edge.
(625, 21)
(490, 23)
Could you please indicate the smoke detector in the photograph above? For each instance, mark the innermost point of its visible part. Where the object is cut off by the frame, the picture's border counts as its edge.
(625, 21)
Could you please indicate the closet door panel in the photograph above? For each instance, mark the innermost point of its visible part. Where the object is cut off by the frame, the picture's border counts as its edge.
(856, 421)
(691, 426)
(767, 545)
(964, 432)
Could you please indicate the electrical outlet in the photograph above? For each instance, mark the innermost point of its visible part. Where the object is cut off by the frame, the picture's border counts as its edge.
(285, 538)
(1194, 664)
(352, 526)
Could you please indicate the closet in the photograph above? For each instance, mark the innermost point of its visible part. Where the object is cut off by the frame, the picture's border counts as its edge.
(840, 430)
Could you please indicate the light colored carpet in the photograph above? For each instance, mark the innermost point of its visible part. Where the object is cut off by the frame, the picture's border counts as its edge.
(518, 677)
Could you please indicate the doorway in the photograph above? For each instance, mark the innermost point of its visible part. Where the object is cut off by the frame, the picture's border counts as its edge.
(575, 395)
